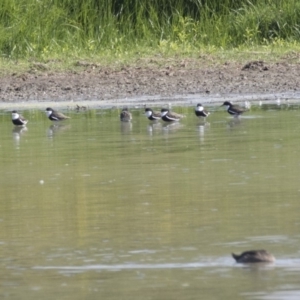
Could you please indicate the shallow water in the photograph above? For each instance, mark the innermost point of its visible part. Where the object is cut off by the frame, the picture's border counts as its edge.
(93, 207)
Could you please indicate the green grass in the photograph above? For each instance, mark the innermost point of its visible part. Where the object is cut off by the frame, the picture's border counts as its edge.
(111, 32)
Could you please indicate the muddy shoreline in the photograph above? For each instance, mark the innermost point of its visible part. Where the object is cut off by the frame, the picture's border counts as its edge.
(182, 82)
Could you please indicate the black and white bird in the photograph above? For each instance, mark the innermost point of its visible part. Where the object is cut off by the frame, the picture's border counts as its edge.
(54, 115)
(200, 111)
(233, 110)
(125, 115)
(152, 115)
(168, 116)
(18, 119)
(254, 256)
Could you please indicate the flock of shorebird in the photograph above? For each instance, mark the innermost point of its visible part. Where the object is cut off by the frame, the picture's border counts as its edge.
(168, 116)
(52, 114)
(125, 116)
(252, 256)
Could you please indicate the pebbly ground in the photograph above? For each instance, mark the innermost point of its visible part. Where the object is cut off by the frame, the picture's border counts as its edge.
(184, 80)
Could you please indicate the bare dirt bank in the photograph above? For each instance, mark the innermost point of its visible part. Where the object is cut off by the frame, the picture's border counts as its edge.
(188, 79)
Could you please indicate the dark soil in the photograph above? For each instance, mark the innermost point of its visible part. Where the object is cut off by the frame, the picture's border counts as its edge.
(92, 82)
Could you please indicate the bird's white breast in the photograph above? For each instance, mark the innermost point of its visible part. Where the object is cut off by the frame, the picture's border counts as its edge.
(148, 113)
(48, 113)
(15, 116)
(199, 108)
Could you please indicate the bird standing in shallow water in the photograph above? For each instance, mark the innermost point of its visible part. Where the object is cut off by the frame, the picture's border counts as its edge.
(18, 119)
(254, 256)
(233, 110)
(54, 115)
(200, 111)
(152, 115)
(168, 116)
(125, 115)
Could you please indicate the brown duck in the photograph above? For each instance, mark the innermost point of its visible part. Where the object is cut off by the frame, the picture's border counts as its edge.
(125, 115)
(254, 256)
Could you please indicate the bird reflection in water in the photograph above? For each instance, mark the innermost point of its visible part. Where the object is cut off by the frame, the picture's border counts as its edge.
(169, 128)
(57, 128)
(154, 127)
(202, 127)
(126, 127)
(235, 122)
(17, 133)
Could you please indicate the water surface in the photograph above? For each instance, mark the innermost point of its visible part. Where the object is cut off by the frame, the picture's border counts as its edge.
(94, 208)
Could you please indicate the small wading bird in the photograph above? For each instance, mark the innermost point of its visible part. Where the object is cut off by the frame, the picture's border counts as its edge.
(17, 119)
(168, 116)
(200, 111)
(254, 256)
(125, 115)
(54, 115)
(152, 115)
(234, 110)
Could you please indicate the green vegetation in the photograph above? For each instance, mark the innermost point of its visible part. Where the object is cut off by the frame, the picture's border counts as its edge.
(115, 29)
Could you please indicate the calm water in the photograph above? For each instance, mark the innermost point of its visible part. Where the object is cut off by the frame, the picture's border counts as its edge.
(95, 209)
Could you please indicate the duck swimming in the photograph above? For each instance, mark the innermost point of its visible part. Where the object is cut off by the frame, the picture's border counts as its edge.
(254, 256)
(125, 115)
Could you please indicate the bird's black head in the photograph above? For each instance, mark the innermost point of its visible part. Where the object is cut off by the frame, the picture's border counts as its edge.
(226, 103)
